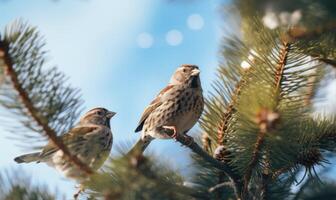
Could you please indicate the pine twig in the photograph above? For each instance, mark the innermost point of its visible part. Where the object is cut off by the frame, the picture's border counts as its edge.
(223, 125)
(266, 119)
(231, 108)
(281, 65)
(26, 101)
(220, 185)
(255, 155)
(192, 145)
(227, 115)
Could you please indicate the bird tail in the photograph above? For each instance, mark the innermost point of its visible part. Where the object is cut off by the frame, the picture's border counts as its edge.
(139, 147)
(27, 158)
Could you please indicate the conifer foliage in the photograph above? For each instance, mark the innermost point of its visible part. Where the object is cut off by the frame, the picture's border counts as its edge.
(261, 134)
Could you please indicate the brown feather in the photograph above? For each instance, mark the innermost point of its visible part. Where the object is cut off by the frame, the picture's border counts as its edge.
(75, 132)
(153, 105)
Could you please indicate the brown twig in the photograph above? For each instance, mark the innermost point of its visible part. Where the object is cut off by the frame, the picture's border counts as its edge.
(26, 101)
(230, 109)
(253, 162)
(225, 119)
(281, 65)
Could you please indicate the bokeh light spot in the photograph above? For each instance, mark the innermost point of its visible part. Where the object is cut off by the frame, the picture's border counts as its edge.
(195, 22)
(145, 40)
(174, 37)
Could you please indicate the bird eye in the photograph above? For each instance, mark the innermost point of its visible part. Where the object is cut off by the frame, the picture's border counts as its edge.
(184, 70)
(99, 113)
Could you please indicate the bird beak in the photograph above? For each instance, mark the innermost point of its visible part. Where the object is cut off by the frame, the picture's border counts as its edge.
(110, 114)
(195, 72)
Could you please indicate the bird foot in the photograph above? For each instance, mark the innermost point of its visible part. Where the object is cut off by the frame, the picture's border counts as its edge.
(171, 128)
(189, 140)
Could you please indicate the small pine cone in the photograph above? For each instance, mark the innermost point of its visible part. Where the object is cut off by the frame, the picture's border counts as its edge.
(267, 119)
(221, 153)
(310, 158)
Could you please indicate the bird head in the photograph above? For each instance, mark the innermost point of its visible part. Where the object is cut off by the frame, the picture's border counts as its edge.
(97, 116)
(186, 74)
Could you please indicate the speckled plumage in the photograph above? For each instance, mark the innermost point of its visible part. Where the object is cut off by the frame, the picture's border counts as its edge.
(178, 105)
(90, 140)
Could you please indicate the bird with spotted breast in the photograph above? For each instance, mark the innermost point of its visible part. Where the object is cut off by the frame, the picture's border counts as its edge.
(176, 108)
(90, 140)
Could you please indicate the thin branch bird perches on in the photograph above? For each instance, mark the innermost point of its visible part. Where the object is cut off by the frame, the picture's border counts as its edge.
(27, 102)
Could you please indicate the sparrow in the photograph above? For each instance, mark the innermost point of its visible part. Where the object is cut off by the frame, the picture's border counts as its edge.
(90, 140)
(176, 108)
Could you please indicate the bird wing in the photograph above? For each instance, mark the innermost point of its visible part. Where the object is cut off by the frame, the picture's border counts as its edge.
(153, 105)
(75, 135)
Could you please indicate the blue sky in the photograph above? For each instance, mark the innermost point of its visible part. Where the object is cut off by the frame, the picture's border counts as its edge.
(120, 53)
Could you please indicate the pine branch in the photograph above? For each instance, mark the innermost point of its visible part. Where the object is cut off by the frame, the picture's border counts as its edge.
(135, 176)
(223, 125)
(11, 71)
(263, 120)
(26, 101)
(219, 108)
(192, 145)
(281, 65)
(255, 157)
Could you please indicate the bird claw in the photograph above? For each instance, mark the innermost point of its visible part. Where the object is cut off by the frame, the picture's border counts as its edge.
(189, 140)
(171, 128)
